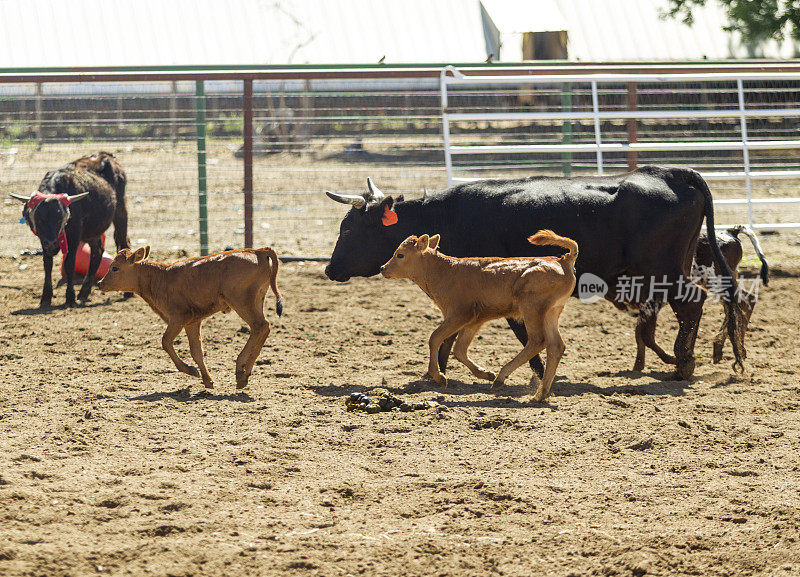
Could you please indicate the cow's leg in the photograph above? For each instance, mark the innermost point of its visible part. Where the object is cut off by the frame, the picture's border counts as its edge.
(555, 349)
(688, 311)
(121, 224)
(746, 306)
(252, 312)
(121, 228)
(449, 327)
(465, 337)
(94, 264)
(534, 345)
(173, 329)
(645, 317)
(47, 289)
(444, 352)
(522, 335)
(196, 349)
(646, 335)
(69, 267)
(719, 340)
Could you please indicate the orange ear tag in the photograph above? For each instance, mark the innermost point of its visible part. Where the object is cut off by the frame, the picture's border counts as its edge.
(389, 216)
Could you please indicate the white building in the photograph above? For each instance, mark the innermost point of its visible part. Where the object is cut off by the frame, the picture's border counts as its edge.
(83, 33)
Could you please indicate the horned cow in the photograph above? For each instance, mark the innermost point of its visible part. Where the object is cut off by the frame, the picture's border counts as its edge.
(73, 204)
(644, 223)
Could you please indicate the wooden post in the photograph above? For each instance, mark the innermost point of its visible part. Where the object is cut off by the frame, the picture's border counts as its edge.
(39, 113)
(247, 156)
(173, 113)
(633, 125)
(566, 128)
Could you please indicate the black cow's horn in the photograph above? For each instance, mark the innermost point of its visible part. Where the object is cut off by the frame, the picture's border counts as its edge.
(77, 197)
(354, 199)
(375, 193)
(20, 197)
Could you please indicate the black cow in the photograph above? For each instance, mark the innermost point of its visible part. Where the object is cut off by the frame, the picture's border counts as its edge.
(73, 204)
(644, 223)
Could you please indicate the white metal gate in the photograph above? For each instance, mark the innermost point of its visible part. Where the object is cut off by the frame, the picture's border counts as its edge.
(450, 77)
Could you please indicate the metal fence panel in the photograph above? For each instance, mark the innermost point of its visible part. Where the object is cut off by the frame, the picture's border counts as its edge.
(317, 130)
(736, 128)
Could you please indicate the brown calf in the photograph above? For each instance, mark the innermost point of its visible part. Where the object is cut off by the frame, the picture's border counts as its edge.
(472, 291)
(186, 292)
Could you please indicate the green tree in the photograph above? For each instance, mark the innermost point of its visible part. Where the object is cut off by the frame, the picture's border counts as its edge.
(756, 20)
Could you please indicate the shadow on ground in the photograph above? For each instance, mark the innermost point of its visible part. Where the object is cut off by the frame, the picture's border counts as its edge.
(185, 395)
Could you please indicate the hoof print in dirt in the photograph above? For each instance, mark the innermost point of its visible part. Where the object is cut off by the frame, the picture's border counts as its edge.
(386, 402)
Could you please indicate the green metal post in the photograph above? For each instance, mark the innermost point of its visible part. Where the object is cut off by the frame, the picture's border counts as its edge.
(202, 186)
(566, 128)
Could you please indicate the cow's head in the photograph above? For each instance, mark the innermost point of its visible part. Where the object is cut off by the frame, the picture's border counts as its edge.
(122, 274)
(405, 263)
(367, 235)
(47, 211)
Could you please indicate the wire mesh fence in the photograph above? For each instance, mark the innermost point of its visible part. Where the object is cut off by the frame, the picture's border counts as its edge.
(331, 133)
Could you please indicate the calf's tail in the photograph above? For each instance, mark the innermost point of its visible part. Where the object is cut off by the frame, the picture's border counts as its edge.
(731, 302)
(273, 277)
(548, 237)
(735, 230)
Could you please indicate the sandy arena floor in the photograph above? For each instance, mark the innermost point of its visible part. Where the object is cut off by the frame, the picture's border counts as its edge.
(112, 462)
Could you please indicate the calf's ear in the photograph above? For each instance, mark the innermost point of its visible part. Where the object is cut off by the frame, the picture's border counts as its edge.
(422, 242)
(434, 242)
(146, 251)
(140, 253)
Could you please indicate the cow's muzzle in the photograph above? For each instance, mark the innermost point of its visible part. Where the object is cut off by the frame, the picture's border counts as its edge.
(50, 247)
(331, 274)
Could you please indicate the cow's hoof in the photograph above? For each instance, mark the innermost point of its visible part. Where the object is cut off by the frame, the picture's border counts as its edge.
(193, 371)
(496, 384)
(685, 370)
(538, 397)
(438, 378)
(717, 356)
(241, 379)
(208, 384)
(70, 304)
(44, 305)
(126, 296)
(485, 375)
(638, 365)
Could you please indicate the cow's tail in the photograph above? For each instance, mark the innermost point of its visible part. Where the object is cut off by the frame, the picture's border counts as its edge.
(548, 237)
(273, 279)
(731, 299)
(735, 230)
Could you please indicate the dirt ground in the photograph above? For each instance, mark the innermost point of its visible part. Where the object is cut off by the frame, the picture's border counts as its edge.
(112, 462)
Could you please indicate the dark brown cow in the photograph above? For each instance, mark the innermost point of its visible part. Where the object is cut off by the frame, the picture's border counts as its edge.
(73, 204)
(731, 249)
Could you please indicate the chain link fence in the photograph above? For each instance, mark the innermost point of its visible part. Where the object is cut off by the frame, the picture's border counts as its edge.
(312, 134)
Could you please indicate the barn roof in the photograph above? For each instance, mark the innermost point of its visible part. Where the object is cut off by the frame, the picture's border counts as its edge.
(83, 33)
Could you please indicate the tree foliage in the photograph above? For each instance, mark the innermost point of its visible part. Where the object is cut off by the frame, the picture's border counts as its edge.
(756, 20)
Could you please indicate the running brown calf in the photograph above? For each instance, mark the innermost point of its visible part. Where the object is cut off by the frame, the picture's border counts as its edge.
(472, 291)
(186, 292)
